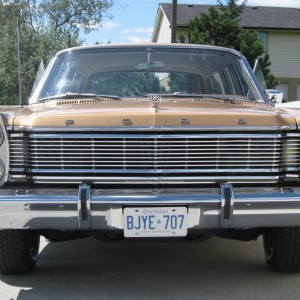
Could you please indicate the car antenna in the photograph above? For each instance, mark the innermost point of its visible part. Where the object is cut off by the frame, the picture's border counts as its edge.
(19, 65)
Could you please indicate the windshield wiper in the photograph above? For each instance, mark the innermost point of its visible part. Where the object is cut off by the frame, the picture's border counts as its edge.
(79, 95)
(201, 96)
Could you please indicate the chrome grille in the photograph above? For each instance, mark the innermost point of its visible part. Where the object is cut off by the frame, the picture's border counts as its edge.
(292, 151)
(89, 155)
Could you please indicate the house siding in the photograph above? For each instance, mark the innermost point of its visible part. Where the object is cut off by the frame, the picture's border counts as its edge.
(164, 33)
(284, 49)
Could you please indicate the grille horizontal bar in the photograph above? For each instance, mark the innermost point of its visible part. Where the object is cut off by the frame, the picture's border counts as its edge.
(153, 153)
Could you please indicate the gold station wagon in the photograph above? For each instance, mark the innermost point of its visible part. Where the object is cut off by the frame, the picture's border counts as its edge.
(149, 141)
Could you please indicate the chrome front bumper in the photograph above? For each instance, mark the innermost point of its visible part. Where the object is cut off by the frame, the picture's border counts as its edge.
(86, 208)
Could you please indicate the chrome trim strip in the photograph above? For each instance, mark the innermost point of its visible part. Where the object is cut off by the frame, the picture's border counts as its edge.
(153, 136)
(268, 212)
(152, 171)
(155, 179)
(154, 128)
(159, 179)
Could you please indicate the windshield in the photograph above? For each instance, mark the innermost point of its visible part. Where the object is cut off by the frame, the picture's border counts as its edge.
(139, 71)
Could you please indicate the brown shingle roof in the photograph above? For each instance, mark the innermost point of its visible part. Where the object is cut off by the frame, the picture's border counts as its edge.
(284, 18)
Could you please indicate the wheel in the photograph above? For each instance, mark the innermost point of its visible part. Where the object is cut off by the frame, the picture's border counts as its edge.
(19, 251)
(282, 249)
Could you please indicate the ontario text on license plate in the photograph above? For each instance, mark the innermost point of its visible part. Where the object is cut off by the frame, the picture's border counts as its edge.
(155, 221)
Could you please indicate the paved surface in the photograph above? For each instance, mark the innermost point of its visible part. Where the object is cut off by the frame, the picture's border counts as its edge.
(89, 269)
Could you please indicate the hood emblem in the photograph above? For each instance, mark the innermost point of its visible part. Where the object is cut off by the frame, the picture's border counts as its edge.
(127, 122)
(185, 121)
(69, 122)
(240, 121)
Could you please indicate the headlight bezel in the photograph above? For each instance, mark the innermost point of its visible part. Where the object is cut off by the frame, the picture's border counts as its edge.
(2, 169)
(1, 136)
(4, 153)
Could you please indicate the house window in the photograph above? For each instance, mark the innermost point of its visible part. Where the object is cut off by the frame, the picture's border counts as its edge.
(263, 36)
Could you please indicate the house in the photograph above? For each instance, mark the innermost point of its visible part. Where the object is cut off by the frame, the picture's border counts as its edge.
(277, 27)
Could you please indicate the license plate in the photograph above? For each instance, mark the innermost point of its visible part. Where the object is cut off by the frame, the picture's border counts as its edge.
(155, 221)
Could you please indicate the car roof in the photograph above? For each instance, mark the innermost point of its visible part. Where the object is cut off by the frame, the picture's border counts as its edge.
(152, 45)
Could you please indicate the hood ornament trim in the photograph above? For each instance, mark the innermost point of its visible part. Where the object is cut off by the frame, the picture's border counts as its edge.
(155, 98)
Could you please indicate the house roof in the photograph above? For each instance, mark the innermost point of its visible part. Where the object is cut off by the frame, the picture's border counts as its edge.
(262, 17)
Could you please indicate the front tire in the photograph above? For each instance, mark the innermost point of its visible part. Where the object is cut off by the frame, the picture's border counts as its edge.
(19, 251)
(282, 249)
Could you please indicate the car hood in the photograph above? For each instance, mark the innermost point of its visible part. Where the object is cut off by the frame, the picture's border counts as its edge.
(131, 112)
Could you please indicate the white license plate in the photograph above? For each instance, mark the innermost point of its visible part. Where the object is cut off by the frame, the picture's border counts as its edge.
(155, 221)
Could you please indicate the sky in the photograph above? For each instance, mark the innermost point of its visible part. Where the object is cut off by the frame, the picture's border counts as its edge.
(132, 21)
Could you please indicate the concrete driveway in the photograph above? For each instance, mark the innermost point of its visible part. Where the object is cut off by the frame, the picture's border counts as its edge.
(89, 269)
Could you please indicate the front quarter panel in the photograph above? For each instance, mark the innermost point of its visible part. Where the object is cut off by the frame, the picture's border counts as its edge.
(292, 112)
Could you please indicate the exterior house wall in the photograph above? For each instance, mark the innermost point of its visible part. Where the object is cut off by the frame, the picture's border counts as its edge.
(284, 50)
(164, 32)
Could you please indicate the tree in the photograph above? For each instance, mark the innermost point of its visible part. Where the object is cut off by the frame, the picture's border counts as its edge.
(269, 77)
(220, 27)
(70, 15)
(126, 84)
(45, 28)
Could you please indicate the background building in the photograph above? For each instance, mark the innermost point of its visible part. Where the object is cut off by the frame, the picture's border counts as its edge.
(277, 27)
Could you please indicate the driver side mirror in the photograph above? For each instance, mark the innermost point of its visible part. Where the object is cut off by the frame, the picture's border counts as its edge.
(274, 96)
